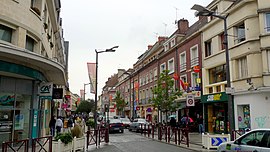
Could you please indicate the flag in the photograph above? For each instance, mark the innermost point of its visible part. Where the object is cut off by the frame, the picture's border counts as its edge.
(92, 76)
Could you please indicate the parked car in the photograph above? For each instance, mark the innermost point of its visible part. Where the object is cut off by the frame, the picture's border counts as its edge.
(138, 125)
(126, 122)
(116, 125)
(255, 140)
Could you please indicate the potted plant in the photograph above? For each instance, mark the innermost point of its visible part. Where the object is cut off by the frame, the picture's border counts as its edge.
(78, 138)
(90, 123)
(63, 142)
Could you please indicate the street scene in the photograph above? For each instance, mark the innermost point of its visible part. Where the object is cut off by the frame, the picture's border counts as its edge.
(134, 142)
(134, 75)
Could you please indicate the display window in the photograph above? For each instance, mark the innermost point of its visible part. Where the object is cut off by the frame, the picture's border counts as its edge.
(243, 112)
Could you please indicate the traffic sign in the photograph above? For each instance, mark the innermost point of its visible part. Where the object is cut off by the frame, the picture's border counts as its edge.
(190, 100)
(216, 141)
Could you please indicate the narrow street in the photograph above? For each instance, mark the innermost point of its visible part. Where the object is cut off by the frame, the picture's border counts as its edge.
(134, 142)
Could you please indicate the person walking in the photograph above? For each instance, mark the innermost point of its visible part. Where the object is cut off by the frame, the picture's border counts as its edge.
(52, 125)
(59, 125)
(200, 122)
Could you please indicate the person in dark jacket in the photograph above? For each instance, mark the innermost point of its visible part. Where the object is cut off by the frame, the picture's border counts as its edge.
(52, 125)
(173, 122)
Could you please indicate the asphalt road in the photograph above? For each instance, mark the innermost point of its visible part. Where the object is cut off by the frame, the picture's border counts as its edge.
(134, 142)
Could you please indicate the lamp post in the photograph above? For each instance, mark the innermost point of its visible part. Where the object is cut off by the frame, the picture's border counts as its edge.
(84, 89)
(97, 52)
(202, 11)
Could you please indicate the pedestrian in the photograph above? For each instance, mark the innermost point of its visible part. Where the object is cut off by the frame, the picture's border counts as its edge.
(52, 125)
(200, 122)
(58, 125)
(173, 122)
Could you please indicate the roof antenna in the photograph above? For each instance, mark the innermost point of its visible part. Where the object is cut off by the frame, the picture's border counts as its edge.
(176, 9)
(165, 28)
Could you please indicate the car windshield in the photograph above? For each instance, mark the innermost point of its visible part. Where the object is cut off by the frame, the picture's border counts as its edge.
(115, 121)
(140, 120)
(125, 120)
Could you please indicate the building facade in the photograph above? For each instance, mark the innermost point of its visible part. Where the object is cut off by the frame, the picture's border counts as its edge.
(33, 60)
(248, 33)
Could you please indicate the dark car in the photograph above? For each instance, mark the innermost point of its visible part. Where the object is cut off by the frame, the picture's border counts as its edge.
(126, 122)
(139, 125)
(116, 125)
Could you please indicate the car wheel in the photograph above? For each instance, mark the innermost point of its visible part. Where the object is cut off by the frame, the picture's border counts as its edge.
(129, 129)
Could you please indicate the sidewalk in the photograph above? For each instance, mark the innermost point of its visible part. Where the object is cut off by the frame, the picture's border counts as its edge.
(195, 142)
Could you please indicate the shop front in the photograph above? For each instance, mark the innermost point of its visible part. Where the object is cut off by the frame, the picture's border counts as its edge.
(216, 112)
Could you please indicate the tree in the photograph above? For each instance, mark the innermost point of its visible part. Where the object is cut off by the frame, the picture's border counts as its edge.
(120, 102)
(165, 93)
(85, 106)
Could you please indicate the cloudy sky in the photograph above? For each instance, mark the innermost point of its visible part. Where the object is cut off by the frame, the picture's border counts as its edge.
(132, 25)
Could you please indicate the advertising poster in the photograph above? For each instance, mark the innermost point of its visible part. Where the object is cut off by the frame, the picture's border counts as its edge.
(19, 121)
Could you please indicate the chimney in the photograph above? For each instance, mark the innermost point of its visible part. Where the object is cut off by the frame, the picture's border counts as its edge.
(183, 26)
(149, 47)
(161, 38)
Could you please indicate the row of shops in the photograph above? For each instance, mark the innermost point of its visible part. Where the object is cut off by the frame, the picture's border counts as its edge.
(214, 109)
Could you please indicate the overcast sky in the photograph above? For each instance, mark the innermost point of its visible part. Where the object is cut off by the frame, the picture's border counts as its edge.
(130, 24)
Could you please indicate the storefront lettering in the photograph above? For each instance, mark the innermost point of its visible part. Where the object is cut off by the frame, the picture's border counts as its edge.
(215, 97)
(6, 99)
(45, 89)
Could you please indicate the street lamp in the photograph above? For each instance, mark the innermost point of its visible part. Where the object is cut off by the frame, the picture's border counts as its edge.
(84, 90)
(202, 11)
(97, 52)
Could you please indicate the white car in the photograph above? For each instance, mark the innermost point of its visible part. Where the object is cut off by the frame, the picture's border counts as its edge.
(257, 140)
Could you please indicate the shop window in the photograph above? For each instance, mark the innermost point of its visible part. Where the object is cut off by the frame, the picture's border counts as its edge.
(218, 88)
(5, 33)
(243, 113)
(217, 74)
(208, 48)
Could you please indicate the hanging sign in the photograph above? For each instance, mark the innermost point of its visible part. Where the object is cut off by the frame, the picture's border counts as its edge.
(190, 100)
(46, 89)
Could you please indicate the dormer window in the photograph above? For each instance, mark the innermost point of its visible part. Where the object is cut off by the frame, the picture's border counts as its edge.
(172, 43)
(166, 47)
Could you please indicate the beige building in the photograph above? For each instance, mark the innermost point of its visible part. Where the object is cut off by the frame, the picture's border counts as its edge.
(248, 24)
(33, 62)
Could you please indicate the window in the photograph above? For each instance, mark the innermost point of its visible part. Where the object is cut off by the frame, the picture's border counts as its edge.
(208, 48)
(29, 45)
(267, 22)
(240, 33)
(221, 37)
(172, 43)
(150, 76)
(183, 64)
(184, 80)
(162, 67)
(217, 74)
(268, 59)
(242, 67)
(5, 33)
(166, 47)
(194, 78)
(147, 79)
(253, 138)
(171, 66)
(194, 58)
(155, 74)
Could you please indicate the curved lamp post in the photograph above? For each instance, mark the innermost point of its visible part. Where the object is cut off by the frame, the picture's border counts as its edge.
(202, 11)
(97, 52)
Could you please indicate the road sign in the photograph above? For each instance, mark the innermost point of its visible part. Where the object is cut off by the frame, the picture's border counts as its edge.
(190, 100)
(216, 141)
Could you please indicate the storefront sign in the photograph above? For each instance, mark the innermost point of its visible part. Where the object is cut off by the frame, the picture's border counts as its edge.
(46, 89)
(217, 97)
(35, 124)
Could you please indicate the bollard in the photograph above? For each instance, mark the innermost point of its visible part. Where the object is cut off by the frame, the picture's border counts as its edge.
(144, 130)
(179, 138)
(141, 129)
(148, 130)
(153, 130)
(175, 135)
(169, 137)
(166, 137)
